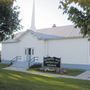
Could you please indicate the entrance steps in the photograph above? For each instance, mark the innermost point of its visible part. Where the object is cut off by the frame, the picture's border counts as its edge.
(20, 64)
(17, 62)
(23, 64)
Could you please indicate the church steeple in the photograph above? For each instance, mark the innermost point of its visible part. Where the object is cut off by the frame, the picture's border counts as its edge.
(33, 17)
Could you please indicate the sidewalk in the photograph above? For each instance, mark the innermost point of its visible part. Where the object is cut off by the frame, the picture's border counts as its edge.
(83, 76)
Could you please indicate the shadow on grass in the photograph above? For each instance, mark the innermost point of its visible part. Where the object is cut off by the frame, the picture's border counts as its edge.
(12, 80)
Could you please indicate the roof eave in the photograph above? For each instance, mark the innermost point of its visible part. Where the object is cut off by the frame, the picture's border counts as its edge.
(16, 41)
(77, 37)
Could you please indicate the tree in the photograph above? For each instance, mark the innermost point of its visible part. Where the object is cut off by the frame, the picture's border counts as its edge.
(79, 13)
(9, 21)
(80, 2)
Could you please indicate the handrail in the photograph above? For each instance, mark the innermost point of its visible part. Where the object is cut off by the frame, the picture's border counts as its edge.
(32, 60)
(14, 59)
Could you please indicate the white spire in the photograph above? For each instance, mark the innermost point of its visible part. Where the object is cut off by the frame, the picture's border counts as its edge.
(33, 17)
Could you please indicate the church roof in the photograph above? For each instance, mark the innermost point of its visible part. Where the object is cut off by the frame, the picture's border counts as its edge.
(41, 36)
(62, 32)
(54, 32)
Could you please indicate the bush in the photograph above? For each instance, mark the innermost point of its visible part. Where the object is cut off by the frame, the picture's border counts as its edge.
(37, 65)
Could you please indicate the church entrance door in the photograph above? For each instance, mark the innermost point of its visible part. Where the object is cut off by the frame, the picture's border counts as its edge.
(29, 52)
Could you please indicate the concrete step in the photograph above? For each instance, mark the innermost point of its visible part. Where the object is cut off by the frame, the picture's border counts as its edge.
(20, 64)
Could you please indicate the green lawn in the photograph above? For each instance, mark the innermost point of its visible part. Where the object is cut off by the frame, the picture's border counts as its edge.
(74, 72)
(11, 80)
(3, 66)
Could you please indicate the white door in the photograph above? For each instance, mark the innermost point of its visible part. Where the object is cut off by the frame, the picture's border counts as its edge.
(29, 52)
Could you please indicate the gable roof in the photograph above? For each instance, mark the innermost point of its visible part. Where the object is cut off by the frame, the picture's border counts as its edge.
(62, 32)
(40, 36)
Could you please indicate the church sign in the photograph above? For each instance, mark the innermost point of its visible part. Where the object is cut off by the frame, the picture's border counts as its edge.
(52, 62)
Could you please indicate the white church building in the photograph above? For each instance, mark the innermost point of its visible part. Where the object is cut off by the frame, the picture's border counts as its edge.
(64, 42)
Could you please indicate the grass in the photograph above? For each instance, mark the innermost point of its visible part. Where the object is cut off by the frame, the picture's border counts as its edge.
(74, 72)
(3, 66)
(12, 80)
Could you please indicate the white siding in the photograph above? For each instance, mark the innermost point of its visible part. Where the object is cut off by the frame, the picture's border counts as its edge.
(71, 51)
(11, 50)
(89, 51)
(30, 41)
